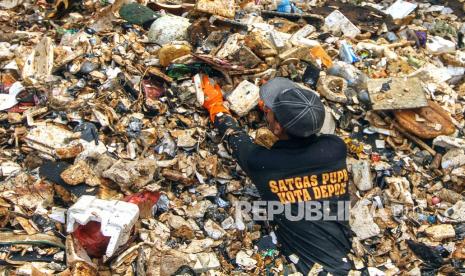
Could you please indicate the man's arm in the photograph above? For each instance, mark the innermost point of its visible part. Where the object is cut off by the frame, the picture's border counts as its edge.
(239, 142)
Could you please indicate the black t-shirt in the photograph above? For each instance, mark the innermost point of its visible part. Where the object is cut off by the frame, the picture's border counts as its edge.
(296, 172)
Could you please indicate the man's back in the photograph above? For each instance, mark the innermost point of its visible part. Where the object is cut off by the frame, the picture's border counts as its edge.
(304, 174)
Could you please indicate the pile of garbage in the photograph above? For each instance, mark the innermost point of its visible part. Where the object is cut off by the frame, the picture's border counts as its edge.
(110, 166)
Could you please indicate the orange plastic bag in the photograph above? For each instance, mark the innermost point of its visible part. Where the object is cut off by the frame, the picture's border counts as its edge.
(319, 53)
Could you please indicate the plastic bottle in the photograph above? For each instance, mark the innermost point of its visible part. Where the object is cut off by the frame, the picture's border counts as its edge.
(354, 77)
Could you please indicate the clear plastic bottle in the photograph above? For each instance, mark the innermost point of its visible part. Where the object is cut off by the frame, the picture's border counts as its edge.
(354, 77)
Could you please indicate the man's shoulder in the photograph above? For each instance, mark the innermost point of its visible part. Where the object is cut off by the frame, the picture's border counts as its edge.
(331, 138)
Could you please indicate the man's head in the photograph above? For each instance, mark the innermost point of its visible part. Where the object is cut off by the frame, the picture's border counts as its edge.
(291, 110)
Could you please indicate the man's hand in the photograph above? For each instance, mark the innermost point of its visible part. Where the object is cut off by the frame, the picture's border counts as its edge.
(213, 98)
(261, 105)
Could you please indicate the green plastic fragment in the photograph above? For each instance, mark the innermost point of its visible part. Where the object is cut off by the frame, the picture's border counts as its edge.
(269, 253)
(415, 62)
(178, 71)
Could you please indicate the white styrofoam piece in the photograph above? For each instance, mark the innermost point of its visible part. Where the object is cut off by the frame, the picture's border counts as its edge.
(300, 37)
(198, 89)
(361, 172)
(361, 221)
(329, 125)
(231, 46)
(244, 98)
(8, 168)
(58, 214)
(449, 142)
(263, 27)
(439, 45)
(116, 217)
(9, 100)
(336, 21)
(277, 39)
(401, 9)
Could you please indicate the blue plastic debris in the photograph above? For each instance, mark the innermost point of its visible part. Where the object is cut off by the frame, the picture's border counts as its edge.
(347, 54)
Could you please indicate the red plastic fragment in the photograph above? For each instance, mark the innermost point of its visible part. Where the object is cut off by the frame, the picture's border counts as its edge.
(145, 200)
(92, 239)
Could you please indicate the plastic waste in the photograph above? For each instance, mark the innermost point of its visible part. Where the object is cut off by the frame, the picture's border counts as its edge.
(170, 52)
(91, 239)
(166, 145)
(138, 14)
(449, 142)
(435, 200)
(352, 75)
(243, 98)
(450, 196)
(439, 45)
(362, 175)
(162, 204)
(422, 38)
(225, 8)
(311, 75)
(287, 6)
(457, 212)
(346, 53)
(336, 21)
(300, 37)
(111, 223)
(391, 37)
(461, 37)
(428, 254)
(178, 71)
(146, 201)
(401, 9)
(378, 50)
(9, 100)
(245, 261)
(361, 221)
(185, 271)
(134, 127)
(320, 54)
(284, 6)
